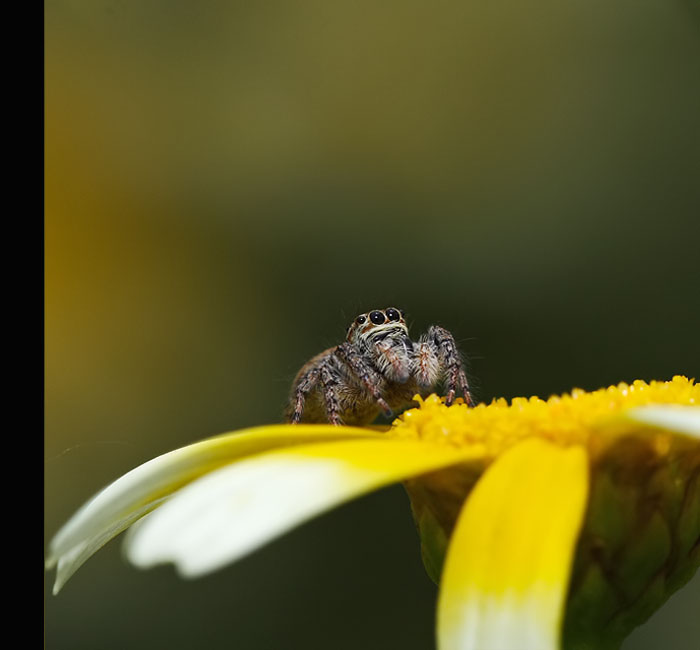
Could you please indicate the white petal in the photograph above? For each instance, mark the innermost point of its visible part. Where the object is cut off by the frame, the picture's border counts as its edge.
(139, 491)
(221, 517)
(70, 562)
(683, 419)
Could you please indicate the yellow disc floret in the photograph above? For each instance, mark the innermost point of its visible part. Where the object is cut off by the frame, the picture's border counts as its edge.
(566, 419)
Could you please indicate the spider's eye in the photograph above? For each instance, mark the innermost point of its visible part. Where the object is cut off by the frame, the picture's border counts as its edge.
(360, 319)
(393, 314)
(377, 317)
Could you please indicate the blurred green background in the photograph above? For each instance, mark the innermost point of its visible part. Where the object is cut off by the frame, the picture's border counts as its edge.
(229, 183)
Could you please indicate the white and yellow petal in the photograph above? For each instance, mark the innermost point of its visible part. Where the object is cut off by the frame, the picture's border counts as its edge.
(506, 574)
(234, 510)
(144, 488)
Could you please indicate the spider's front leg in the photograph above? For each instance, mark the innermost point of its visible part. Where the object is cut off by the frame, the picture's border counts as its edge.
(305, 385)
(330, 384)
(438, 353)
(369, 377)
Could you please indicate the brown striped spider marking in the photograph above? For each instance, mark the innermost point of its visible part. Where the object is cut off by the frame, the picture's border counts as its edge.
(378, 368)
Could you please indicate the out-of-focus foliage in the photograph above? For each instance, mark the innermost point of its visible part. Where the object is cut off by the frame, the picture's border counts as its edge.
(228, 184)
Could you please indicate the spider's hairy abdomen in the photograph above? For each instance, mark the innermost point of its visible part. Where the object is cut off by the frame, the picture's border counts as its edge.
(378, 368)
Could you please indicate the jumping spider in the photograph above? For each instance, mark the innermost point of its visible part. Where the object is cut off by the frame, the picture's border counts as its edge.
(378, 368)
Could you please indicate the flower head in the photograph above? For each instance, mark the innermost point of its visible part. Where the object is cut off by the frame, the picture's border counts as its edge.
(594, 490)
(548, 524)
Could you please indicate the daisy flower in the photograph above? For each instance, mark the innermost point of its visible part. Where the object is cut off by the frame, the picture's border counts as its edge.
(548, 524)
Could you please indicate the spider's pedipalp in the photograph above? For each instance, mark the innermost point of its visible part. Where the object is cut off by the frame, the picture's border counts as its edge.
(394, 360)
(427, 363)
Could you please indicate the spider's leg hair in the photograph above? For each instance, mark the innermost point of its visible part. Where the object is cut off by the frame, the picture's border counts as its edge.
(330, 390)
(370, 378)
(451, 364)
(306, 384)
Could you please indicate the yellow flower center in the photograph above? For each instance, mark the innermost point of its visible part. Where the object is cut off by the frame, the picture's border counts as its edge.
(566, 419)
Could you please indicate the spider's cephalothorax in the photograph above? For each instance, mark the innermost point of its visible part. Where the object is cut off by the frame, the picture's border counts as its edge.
(378, 368)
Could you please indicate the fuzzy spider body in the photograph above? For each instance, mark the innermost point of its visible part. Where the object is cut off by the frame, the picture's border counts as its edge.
(378, 368)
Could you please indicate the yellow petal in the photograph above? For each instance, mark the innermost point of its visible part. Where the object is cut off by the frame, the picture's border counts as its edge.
(136, 493)
(234, 510)
(507, 569)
